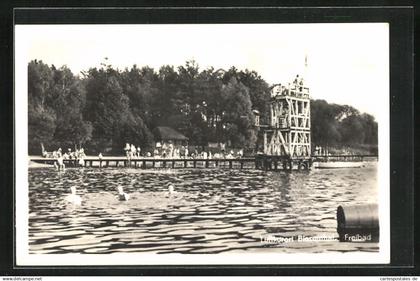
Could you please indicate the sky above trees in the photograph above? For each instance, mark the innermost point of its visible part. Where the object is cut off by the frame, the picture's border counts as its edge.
(347, 63)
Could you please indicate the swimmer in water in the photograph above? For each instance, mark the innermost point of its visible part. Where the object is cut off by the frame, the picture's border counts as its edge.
(171, 189)
(73, 197)
(122, 196)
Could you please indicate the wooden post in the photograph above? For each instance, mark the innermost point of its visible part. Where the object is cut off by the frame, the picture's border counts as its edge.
(242, 164)
(185, 164)
(207, 163)
(195, 163)
(230, 164)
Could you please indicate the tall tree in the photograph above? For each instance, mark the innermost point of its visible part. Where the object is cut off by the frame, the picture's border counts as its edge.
(107, 108)
(259, 92)
(324, 123)
(237, 118)
(68, 101)
(41, 116)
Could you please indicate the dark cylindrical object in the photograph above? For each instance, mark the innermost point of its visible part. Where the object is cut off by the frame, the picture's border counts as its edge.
(358, 223)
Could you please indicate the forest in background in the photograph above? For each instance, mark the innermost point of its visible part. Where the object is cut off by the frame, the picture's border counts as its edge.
(103, 108)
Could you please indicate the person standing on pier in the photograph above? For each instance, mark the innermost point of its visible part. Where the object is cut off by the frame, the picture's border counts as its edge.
(59, 165)
(133, 151)
(171, 149)
(127, 149)
(59, 154)
(164, 148)
(81, 157)
(222, 148)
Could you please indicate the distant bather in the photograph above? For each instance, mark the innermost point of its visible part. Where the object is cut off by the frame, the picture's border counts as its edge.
(122, 196)
(73, 197)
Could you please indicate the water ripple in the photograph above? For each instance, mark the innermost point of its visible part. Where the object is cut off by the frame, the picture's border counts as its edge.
(212, 211)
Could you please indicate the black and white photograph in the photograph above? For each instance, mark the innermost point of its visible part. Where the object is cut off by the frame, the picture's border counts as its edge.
(145, 144)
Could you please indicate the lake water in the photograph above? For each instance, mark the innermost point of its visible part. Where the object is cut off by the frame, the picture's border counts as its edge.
(212, 211)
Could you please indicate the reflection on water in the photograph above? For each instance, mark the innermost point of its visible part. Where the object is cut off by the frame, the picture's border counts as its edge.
(212, 210)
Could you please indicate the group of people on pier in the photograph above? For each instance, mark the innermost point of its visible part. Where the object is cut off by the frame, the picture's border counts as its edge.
(69, 154)
(78, 155)
(179, 152)
(132, 152)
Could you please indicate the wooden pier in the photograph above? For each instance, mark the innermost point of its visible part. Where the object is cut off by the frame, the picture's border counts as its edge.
(145, 163)
(344, 158)
(262, 162)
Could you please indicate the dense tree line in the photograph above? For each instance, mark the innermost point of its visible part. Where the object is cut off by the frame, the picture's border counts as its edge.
(104, 108)
(334, 125)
